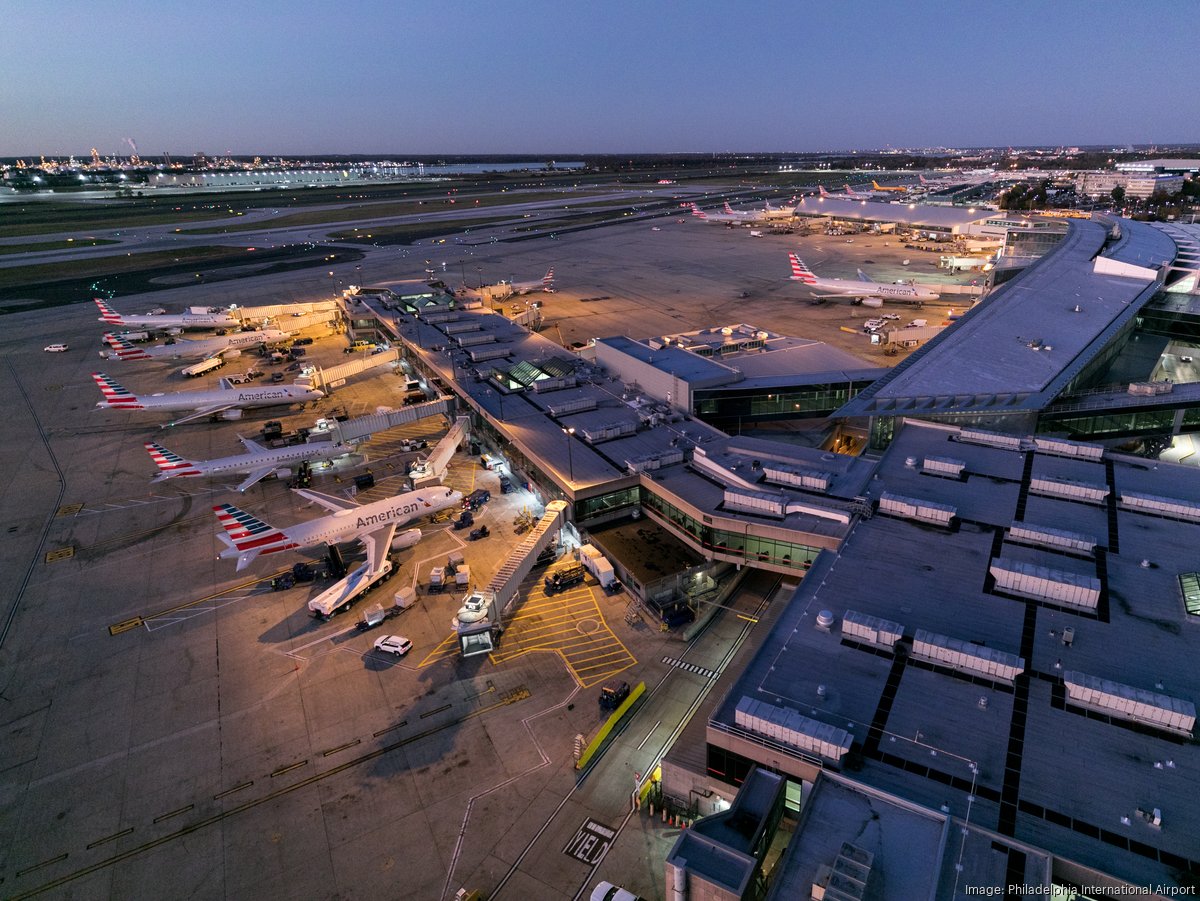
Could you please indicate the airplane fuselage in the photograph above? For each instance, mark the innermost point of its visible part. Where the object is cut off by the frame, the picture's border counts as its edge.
(346, 525)
(873, 289)
(185, 320)
(207, 347)
(246, 463)
(232, 397)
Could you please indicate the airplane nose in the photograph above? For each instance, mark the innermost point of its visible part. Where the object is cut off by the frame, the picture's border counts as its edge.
(318, 393)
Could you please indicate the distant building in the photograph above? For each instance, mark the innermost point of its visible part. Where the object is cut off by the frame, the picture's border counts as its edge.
(1139, 185)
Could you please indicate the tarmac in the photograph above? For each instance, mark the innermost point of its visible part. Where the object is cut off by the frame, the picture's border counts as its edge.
(177, 728)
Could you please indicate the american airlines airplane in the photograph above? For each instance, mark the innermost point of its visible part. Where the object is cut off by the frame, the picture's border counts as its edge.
(546, 284)
(731, 217)
(214, 318)
(861, 289)
(258, 462)
(190, 350)
(227, 403)
(374, 524)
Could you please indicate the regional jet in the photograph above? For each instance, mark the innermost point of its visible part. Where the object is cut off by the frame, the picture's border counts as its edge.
(226, 402)
(878, 187)
(546, 284)
(222, 345)
(862, 290)
(258, 462)
(208, 318)
(246, 536)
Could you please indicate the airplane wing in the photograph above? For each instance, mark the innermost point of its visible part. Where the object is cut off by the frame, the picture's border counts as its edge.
(378, 543)
(328, 501)
(251, 445)
(257, 476)
(845, 295)
(224, 383)
(200, 413)
(863, 277)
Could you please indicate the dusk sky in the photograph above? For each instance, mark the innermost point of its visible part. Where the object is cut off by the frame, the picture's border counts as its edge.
(527, 76)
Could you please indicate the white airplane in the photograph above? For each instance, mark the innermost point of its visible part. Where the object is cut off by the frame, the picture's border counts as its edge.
(861, 289)
(191, 350)
(258, 462)
(214, 318)
(546, 284)
(226, 401)
(246, 536)
(730, 218)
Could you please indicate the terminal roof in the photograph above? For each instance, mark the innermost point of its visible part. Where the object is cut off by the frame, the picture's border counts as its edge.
(943, 733)
(1020, 347)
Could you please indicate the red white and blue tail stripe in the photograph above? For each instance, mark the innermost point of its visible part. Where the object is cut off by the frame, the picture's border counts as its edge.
(114, 394)
(800, 272)
(123, 350)
(170, 463)
(698, 213)
(728, 208)
(108, 314)
(247, 536)
(821, 190)
(548, 280)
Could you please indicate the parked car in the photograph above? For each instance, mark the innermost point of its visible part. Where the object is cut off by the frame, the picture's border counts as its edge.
(393, 644)
(613, 694)
(56, 348)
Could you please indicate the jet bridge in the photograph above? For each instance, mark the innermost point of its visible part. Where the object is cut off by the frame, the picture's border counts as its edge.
(480, 637)
(361, 427)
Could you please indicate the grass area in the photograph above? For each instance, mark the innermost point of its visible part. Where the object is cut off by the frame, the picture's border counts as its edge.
(414, 231)
(48, 219)
(100, 266)
(384, 210)
(68, 244)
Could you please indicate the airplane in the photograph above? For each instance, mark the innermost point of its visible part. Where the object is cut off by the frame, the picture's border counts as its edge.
(258, 462)
(190, 350)
(546, 284)
(246, 536)
(730, 218)
(862, 289)
(766, 214)
(214, 318)
(221, 401)
(878, 187)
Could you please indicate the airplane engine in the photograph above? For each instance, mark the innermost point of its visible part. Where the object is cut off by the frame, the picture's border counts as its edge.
(231, 415)
(406, 539)
(232, 354)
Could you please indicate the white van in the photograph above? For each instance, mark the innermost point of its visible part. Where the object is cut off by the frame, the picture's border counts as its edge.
(56, 348)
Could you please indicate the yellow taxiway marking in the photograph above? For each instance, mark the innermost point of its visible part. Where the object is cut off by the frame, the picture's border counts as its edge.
(553, 624)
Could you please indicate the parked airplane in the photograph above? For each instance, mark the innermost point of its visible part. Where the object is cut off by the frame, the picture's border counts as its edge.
(213, 317)
(191, 350)
(878, 187)
(246, 536)
(861, 289)
(226, 402)
(546, 284)
(714, 218)
(258, 462)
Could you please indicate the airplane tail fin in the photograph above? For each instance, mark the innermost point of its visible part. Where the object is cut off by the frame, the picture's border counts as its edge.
(123, 350)
(169, 463)
(107, 313)
(875, 185)
(247, 536)
(728, 208)
(548, 280)
(114, 394)
(922, 178)
(800, 272)
(697, 212)
(850, 190)
(822, 191)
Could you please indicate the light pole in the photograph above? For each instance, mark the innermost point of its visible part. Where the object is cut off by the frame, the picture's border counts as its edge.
(570, 460)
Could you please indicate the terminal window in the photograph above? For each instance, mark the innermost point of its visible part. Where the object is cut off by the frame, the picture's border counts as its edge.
(1189, 584)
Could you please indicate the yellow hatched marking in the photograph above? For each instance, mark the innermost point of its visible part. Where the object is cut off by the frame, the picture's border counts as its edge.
(63, 553)
(446, 648)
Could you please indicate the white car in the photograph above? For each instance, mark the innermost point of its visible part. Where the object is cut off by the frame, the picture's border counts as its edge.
(56, 348)
(606, 891)
(393, 644)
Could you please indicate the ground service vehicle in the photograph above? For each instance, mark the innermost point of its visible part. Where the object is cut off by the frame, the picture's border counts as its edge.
(198, 369)
(571, 574)
(476, 499)
(612, 694)
(55, 348)
(348, 590)
(375, 614)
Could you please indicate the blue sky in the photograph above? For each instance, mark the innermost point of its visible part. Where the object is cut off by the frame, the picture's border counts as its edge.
(539, 77)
